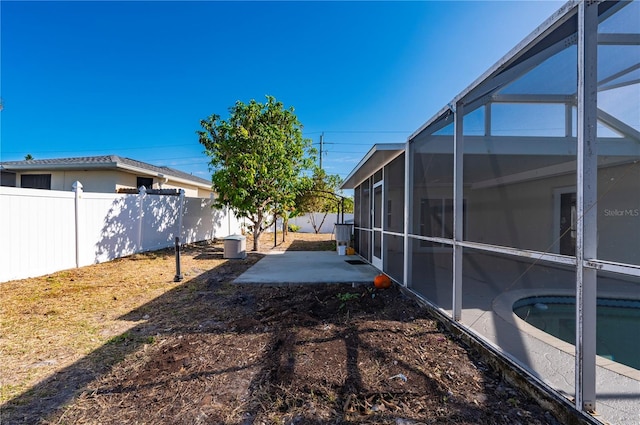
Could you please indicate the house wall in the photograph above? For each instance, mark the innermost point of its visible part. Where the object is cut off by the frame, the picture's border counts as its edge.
(518, 215)
(92, 181)
(204, 193)
(522, 215)
(109, 181)
(189, 190)
(127, 180)
(619, 213)
(40, 233)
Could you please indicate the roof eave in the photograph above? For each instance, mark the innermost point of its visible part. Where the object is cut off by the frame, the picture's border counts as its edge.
(53, 167)
(139, 170)
(115, 165)
(378, 156)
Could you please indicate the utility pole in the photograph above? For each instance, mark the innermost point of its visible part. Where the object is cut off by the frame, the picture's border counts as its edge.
(321, 145)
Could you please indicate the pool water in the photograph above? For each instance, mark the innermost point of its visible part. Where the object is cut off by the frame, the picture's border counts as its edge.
(617, 326)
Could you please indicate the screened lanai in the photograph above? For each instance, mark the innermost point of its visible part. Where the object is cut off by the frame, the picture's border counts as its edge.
(515, 210)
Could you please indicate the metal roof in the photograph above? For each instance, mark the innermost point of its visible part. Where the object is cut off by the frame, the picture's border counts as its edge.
(104, 162)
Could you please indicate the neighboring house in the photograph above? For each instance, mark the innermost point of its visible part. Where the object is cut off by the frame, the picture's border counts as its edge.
(106, 174)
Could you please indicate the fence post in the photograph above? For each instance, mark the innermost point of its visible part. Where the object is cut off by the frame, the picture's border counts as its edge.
(213, 217)
(77, 188)
(180, 213)
(178, 277)
(142, 192)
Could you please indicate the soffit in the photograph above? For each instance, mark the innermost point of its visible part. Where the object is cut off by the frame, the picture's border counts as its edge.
(378, 156)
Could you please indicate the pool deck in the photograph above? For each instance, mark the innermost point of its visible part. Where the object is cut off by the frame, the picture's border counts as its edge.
(551, 359)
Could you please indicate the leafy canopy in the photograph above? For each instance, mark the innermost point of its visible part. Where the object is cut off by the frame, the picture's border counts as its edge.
(257, 157)
(319, 194)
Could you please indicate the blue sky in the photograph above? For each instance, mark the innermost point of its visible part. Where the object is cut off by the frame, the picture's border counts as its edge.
(135, 78)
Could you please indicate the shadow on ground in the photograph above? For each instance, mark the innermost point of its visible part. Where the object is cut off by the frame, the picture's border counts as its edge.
(214, 352)
(304, 245)
(175, 312)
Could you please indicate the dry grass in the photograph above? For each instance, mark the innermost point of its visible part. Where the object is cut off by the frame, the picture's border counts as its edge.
(51, 321)
(121, 342)
(48, 323)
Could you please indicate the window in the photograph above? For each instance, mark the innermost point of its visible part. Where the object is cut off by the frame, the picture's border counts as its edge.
(36, 181)
(147, 182)
(7, 178)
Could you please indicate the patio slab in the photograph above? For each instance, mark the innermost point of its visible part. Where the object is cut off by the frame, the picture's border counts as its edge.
(300, 267)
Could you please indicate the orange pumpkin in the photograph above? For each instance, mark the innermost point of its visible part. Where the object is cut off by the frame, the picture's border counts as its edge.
(382, 281)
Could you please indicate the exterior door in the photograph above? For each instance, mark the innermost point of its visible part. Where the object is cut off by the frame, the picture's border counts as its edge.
(377, 214)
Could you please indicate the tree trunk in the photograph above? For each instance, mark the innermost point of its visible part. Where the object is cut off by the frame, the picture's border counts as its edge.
(256, 238)
(322, 222)
(257, 231)
(312, 219)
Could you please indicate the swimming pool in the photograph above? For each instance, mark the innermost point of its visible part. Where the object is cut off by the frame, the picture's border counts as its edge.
(617, 328)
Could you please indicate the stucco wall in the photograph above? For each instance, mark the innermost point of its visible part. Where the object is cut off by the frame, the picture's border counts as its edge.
(523, 215)
(517, 215)
(109, 181)
(189, 190)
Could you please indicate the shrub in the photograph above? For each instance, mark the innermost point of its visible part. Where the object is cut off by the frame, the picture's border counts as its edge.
(294, 227)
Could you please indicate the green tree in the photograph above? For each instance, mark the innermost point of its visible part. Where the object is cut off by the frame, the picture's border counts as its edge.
(318, 194)
(28, 157)
(348, 205)
(257, 156)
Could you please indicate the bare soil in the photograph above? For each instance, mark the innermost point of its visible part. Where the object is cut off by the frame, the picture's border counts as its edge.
(208, 351)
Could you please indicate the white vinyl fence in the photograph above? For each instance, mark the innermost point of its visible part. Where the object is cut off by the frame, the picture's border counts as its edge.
(43, 231)
(305, 221)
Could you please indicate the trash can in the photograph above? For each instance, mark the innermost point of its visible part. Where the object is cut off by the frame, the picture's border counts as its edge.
(235, 246)
(343, 237)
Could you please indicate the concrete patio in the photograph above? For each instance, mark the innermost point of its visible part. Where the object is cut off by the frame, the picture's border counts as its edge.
(300, 267)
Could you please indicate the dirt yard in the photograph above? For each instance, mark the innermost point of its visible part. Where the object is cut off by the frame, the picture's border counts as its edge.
(122, 343)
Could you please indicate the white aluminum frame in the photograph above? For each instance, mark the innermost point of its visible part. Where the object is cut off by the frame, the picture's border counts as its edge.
(584, 146)
(377, 261)
(587, 175)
